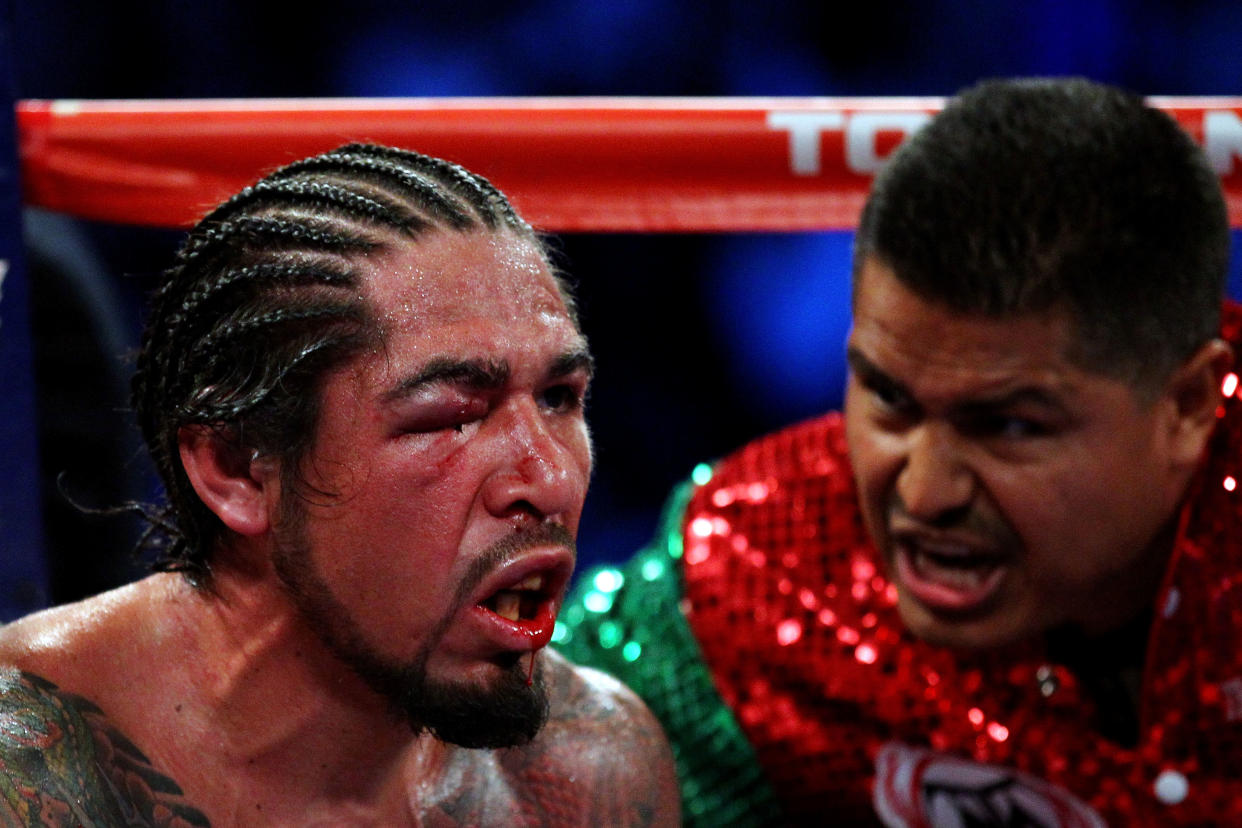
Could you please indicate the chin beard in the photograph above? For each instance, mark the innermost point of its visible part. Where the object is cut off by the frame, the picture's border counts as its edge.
(506, 712)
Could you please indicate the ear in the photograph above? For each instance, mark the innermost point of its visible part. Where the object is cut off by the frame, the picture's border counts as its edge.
(230, 480)
(1194, 394)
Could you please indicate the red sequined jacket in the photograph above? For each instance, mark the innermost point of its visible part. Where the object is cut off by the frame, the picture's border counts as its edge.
(850, 716)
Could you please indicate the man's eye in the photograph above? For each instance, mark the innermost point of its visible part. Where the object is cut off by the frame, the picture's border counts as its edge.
(1006, 428)
(1019, 427)
(891, 399)
(439, 422)
(887, 396)
(561, 398)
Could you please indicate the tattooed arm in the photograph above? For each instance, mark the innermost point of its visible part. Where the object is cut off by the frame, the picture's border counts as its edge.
(62, 764)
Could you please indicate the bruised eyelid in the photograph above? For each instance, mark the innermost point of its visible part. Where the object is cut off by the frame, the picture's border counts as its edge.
(445, 373)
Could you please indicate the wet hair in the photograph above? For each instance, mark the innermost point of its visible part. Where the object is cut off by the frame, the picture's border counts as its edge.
(1031, 196)
(264, 298)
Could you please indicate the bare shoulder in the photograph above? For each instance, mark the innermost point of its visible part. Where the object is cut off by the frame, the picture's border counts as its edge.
(608, 745)
(62, 763)
(579, 694)
(55, 639)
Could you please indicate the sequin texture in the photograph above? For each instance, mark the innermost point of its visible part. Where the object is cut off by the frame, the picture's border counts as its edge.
(798, 629)
(809, 651)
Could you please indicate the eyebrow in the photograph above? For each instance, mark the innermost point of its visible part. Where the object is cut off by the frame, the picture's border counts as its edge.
(471, 373)
(871, 374)
(483, 375)
(579, 359)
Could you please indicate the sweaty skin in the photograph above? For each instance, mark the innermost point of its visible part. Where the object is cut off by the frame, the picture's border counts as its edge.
(64, 763)
(449, 469)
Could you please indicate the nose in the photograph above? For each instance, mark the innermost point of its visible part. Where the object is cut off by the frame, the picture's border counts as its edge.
(934, 485)
(542, 469)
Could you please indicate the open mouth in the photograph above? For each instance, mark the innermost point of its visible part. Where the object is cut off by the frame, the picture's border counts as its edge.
(520, 602)
(515, 601)
(957, 569)
(947, 576)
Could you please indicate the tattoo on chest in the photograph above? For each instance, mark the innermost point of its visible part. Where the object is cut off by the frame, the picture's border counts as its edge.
(571, 775)
(62, 764)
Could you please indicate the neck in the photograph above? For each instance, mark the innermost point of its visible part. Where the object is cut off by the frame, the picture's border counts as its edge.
(1128, 597)
(280, 710)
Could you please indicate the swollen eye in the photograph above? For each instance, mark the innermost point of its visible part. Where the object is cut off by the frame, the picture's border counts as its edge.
(467, 427)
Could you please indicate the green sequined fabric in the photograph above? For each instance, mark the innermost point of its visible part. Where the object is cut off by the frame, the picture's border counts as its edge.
(628, 622)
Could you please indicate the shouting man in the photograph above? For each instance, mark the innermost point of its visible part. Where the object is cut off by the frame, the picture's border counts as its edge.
(1004, 587)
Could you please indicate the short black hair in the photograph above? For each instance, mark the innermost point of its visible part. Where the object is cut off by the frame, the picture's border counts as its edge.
(264, 298)
(1035, 195)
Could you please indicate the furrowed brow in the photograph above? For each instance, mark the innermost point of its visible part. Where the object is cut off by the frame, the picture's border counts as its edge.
(1038, 397)
(470, 373)
(572, 361)
(870, 374)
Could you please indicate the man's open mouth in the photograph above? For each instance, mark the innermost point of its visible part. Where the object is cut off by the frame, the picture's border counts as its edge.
(947, 576)
(958, 568)
(520, 602)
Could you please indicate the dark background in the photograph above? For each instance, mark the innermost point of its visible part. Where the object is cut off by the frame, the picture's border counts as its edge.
(702, 341)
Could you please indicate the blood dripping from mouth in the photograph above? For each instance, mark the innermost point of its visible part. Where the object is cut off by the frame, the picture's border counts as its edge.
(530, 670)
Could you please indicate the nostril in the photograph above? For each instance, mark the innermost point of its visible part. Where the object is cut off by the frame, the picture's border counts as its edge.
(524, 515)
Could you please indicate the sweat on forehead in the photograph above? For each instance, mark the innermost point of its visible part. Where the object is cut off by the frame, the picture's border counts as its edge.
(264, 298)
(445, 276)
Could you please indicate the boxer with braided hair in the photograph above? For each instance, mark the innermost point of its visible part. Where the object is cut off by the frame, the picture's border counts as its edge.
(262, 297)
(363, 386)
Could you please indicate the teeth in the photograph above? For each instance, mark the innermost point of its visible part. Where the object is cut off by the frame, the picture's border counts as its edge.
(532, 582)
(518, 601)
(947, 551)
(945, 572)
(508, 605)
(963, 574)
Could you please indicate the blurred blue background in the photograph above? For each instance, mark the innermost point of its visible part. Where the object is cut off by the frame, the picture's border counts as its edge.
(702, 341)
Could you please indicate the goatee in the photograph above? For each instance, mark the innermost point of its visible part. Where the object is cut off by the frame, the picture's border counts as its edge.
(506, 712)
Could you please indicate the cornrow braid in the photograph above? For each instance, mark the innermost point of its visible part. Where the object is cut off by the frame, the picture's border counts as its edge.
(255, 277)
(211, 358)
(490, 203)
(250, 231)
(434, 198)
(321, 194)
(196, 308)
(264, 297)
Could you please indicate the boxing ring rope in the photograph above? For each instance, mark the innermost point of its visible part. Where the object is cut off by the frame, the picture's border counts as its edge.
(569, 164)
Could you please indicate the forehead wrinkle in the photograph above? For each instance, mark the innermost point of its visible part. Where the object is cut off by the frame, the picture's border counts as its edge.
(1022, 395)
(1009, 386)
